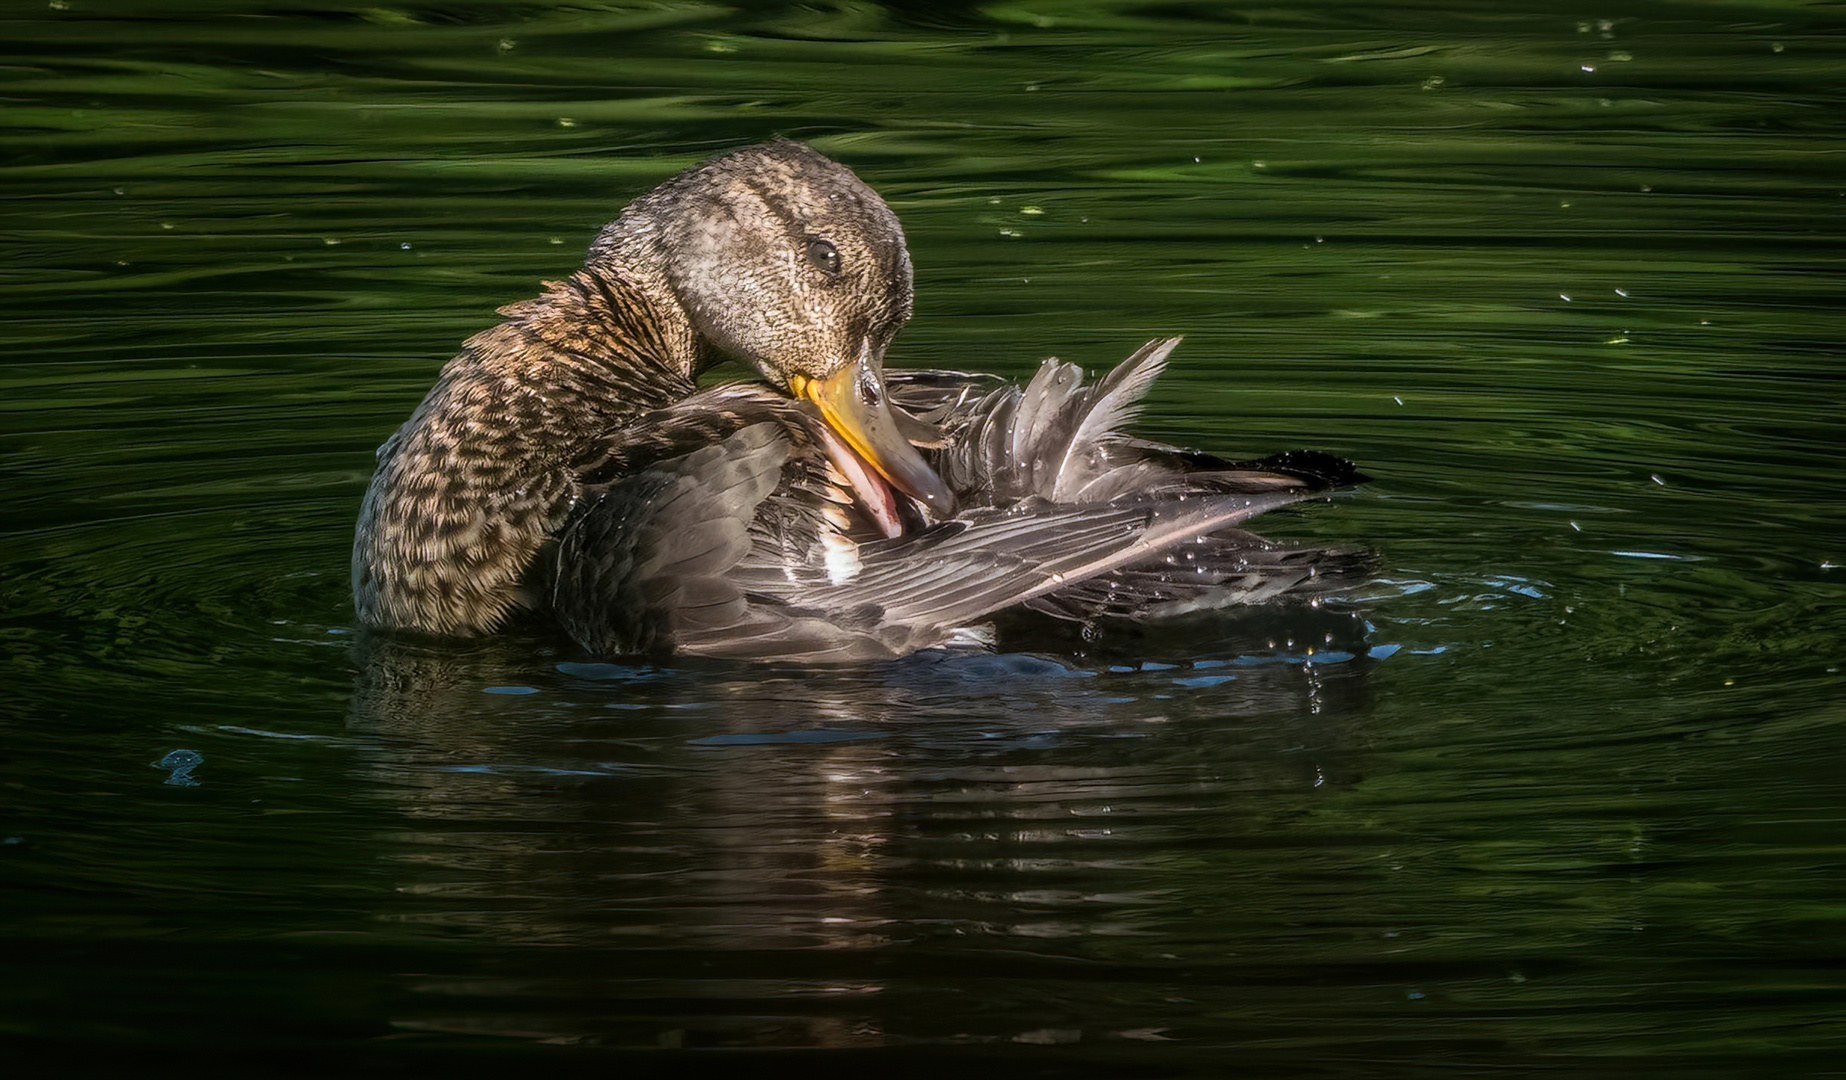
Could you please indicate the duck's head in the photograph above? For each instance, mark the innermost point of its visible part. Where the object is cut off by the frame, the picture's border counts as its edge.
(784, 259)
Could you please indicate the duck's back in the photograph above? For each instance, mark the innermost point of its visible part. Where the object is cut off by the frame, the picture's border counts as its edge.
(724, 529)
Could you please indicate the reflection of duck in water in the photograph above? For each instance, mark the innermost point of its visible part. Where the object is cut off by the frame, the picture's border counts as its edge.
(566, 462)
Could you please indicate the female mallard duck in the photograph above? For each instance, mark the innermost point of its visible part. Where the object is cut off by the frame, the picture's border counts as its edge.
(567, 463)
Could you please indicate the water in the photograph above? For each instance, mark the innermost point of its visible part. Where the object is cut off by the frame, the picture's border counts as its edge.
(1559, 793)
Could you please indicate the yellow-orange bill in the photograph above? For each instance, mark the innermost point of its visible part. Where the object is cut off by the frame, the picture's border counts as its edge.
(853, 403)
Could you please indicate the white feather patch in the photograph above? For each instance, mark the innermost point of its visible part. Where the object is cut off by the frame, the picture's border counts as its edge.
(842, 558)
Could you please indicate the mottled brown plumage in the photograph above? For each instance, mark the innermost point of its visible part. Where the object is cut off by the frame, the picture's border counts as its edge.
(566, 464)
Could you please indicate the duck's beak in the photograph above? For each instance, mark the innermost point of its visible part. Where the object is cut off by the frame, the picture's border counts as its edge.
(854, 404)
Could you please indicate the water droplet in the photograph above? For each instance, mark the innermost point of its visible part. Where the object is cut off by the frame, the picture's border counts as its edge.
(180, 763)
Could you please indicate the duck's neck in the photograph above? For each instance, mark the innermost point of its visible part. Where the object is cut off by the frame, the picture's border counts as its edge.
(622, 332)
(468, 491)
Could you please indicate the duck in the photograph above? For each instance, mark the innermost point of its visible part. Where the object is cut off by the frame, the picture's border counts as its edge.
(572, 464)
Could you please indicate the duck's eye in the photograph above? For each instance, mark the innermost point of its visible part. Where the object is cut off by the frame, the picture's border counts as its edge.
(869, 390)
(824, 255)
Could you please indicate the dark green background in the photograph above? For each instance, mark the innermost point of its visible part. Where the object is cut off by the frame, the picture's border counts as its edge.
(1561, 792)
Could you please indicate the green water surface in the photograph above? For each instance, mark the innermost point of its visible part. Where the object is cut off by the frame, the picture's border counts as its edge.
(1560, 793)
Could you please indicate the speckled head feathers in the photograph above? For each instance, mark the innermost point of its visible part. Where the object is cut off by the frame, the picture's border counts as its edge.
(780, 256)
